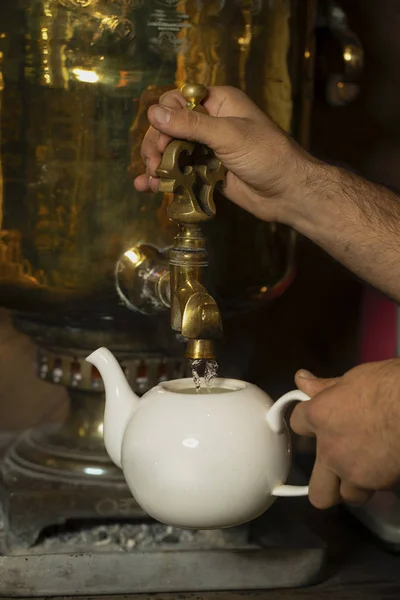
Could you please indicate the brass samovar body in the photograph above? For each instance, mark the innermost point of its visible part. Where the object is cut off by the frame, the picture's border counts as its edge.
(77, 79)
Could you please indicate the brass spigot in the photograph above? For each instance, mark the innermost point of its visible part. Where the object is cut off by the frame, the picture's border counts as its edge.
(146, 279)
(190, 172)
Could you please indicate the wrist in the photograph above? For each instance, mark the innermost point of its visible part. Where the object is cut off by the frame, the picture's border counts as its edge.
(314, 199)
(299, 199)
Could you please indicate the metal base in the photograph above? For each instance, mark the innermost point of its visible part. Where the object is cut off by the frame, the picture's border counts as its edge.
(47, 451)
(381, 515)
(276, 552)
(75, 448)
(31, 501)
(55, 473)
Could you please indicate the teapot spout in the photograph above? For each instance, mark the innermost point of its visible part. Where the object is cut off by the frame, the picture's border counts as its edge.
(121, 402)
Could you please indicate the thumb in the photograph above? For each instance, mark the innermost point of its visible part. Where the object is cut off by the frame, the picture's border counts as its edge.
(311, 385)
(194, 126)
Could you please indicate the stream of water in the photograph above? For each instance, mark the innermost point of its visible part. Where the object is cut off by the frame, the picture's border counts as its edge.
(210, 372)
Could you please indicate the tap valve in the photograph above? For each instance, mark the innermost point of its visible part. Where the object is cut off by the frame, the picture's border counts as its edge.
(190, 173)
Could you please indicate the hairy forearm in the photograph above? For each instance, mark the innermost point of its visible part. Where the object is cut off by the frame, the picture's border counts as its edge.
(355, 221)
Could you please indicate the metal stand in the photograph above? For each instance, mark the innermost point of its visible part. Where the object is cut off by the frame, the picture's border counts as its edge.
(271, 553)
(56, 473)
(276, 551)
(31, 501)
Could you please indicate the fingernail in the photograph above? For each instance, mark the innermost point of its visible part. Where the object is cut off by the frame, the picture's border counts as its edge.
(161, 114)
(305, 374)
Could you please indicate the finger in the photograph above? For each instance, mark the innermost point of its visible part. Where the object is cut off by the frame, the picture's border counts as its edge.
(154, 183)
(155, 142)
(311, 385)
(324, 489)
(300, 421)
(353, 495)
(142, 183)
(173, 99)
(162, 142)
(152, 165)
(195, 126)
(225, 101)
(149, 145)
(152, 149)
(176, 101)
(220, 101)
(146, 183)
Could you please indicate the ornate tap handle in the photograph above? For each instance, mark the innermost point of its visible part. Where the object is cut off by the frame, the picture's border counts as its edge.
(190, 171)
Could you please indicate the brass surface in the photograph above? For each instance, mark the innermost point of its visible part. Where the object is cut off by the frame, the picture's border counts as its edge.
(194, 94)
(194, 312)
(192, 183)
(77, 79)
(200, 350)
(190, 171)
(143, 279)
(75, 447)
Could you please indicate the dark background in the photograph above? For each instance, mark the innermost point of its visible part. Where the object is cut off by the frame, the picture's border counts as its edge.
(316, 324)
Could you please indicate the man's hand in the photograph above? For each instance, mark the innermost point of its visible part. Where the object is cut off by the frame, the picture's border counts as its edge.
(264, 165)
(269, 175)
(356, 422)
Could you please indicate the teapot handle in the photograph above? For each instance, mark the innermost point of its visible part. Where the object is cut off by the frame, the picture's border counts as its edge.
(275, 419)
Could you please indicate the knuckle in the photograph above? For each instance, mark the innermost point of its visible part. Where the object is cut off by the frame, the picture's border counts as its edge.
(322, 500)
(351, 496)
(358, 476)
(246, 128)
(239, 133)
(193, 121)
(149, 143)
(314, 414)
(244, 125)
(152, 168)
(319, 502)
(164, 97)
(144, 156)
(354, 495)
(231, 91)
(354, 472)
(323, 408)
(170, 99)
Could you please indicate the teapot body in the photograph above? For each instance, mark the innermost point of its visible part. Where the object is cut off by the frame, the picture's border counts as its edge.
(207, 460)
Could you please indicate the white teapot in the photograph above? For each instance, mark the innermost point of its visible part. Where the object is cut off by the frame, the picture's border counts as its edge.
(198, 460)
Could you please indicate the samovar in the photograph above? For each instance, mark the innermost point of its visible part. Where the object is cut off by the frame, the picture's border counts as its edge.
(77, 78)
